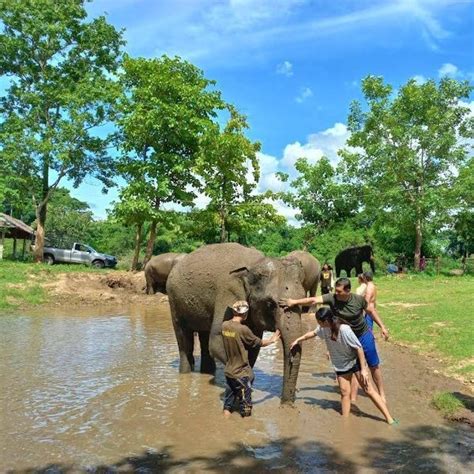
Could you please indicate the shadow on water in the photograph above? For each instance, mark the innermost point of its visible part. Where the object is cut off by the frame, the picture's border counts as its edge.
(418, 449)
(282, 455)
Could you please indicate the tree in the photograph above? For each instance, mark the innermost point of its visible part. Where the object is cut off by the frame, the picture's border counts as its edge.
(133, 210)
(69, 219)
(61, 90)
(320, 194)
(407, 148)
(223, 167)
(166, 109)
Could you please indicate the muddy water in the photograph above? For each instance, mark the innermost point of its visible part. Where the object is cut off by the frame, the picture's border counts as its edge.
(101, 392)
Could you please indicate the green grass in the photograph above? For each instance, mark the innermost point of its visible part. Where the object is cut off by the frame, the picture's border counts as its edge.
(432, 315)
(21, 282)
(446, 403)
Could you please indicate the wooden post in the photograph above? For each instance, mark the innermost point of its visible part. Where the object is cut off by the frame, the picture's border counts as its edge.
(437, 265)
(23, 250)
(14, 248)
(2, 243)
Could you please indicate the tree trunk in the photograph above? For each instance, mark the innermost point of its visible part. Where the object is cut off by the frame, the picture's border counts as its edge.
(138, 241)
(40, 232)
(418, 242)
(41, 210)
(151, 242)
(223, 229)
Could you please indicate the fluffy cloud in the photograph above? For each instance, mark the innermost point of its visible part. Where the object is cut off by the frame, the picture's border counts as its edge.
(305, 93)
(448, 69)
(419, 79)
(285, 69)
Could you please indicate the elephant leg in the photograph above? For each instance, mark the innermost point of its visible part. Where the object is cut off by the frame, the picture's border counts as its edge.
(185, 339)
(254, 351)
(216, 344)
(359, 269)
(208, 366)
(150, 288)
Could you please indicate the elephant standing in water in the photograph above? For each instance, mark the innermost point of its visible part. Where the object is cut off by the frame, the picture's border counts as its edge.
(157, 270)
(204, 284)
(353, 257)
(312, 270)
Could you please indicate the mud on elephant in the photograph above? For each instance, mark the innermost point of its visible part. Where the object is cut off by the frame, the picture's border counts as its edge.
(204, 284)
(311, 268)
(158, 269)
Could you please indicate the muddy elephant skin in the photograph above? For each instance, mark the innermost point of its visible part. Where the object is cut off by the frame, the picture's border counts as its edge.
(353, 257)
(158, 269)
(205, 283)
(312, 270)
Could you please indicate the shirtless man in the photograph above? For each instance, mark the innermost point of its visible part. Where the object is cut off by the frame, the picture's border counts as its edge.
(371, 315)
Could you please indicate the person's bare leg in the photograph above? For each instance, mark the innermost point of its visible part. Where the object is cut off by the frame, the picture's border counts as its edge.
(378, 380)
(344, 382)
(376, 398)
(354, 389)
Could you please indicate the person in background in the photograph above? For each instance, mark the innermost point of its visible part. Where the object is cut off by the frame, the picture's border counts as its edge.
(347, 357)
(326, 279)
(239, 375)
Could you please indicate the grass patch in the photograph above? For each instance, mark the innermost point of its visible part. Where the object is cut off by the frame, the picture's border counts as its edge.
(21, 282)
(431, 314)
(446, 403)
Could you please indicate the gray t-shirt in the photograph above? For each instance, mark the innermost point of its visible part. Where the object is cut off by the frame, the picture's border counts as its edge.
(343, 352)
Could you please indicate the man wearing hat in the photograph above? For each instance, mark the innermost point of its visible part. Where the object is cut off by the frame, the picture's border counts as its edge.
(238, 338)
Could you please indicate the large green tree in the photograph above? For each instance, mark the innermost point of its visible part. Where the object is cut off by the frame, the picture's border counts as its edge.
(229, 169)
(320, 194)
(60, 67)
(407, 146)
(167, 107)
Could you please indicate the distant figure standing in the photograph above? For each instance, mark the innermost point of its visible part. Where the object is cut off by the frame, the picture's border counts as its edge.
(422, 263)
(326, 279)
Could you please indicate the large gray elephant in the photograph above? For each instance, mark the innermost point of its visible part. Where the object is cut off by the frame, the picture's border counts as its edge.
(204, 284)
(312, 270)
(157, 270)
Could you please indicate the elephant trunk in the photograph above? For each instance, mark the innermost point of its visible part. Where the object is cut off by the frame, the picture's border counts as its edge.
(290, 327)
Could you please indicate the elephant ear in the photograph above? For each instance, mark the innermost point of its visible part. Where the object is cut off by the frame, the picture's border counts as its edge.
(242, 274)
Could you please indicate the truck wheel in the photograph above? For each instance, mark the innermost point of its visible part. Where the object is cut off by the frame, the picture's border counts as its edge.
(48, 259)
(98, 264)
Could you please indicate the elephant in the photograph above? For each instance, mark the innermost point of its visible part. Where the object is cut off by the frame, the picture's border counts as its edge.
(312, 270)
(157, 270)
(204, 284)
(352, 258)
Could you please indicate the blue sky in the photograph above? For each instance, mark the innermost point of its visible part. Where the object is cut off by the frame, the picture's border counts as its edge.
(293, 66)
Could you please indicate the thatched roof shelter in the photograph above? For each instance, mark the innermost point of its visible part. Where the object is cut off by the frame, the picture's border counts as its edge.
(11, 228)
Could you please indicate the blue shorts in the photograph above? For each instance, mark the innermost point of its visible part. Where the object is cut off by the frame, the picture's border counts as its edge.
(369, 321)
(367, 341)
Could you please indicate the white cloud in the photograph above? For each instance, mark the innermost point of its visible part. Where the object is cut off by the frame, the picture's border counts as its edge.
(285, 69)
(419, 79)
(305, 93)
(295, 150)
(449, 70)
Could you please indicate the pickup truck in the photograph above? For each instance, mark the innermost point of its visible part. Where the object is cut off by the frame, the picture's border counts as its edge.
(79, 253)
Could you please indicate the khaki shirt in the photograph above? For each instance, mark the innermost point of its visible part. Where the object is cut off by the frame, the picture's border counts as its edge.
(237, 338)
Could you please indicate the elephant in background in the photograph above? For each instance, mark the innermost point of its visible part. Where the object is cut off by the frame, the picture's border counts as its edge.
(353, 257)
(204, 284)
(157, 270)
(312, 270)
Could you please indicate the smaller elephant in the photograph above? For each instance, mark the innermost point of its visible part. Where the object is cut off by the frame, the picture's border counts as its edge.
(157, 270)
(312, 270)
(353, 257)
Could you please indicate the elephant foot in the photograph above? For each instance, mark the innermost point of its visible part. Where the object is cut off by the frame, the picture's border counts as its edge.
(186, 366)
(208, 366)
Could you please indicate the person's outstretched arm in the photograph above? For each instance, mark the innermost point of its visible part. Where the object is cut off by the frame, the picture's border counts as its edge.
(374, 313)
(303, 301)
(364, 371)
(304, 337)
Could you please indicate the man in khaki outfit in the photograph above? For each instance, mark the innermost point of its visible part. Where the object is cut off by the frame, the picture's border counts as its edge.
(238, 338)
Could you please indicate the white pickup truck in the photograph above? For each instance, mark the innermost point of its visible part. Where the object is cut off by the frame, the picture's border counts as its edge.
(79, 253)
